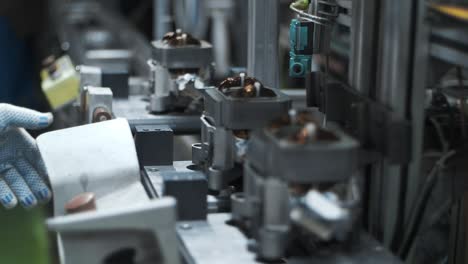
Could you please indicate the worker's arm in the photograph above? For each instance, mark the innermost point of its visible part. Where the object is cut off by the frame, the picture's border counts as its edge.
(21, 165)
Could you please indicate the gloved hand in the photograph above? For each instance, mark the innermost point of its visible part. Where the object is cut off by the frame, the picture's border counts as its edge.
(301, 4)
(22, 170)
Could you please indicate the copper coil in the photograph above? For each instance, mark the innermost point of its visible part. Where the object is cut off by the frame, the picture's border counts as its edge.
(233, 87)
(243, 134)
(180, 39)
(296, 128)
(299, 189)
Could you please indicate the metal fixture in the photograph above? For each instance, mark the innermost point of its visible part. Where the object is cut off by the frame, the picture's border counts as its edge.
(287, 166)
(180, 67)
(236, 107)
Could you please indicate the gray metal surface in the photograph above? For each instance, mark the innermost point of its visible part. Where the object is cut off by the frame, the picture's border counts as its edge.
(163, 85)
(244, 113)
(186, 57)
(364, 251)
(449, 54)
(263, 56)
(221, 11)
(99, 158)
(147, 231)
(362, 57)
(134, 109)
(89, 76)
(213, 241)
(191, 16)
(155, 177)
(97, 98)
(449, 44)
(417, 105)
(312, 163)
(298, 97)
(162, 18)
(155, 184)
(393, 89)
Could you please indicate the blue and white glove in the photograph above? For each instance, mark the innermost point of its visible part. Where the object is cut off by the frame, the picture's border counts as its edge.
(22, 170)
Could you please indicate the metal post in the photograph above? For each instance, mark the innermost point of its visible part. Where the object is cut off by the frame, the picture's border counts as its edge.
(419, 83)
(362, 57)
(362, 78)
(220, 12)
(263, 58)
(392, 86)
(162, 18)
(395, 84)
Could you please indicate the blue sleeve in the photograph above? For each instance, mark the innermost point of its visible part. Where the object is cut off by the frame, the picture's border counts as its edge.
(16, 67)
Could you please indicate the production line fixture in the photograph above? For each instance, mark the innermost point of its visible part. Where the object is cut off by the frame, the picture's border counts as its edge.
(298, 186)
(181, 65)
(238, 106)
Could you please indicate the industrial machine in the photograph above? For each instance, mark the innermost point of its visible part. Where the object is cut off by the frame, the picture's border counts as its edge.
(181, 66)
(370, 170)
(292, 172)
(238, 106)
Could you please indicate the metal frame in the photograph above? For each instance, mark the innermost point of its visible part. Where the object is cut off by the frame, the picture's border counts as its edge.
(385, 34)
(263, 57)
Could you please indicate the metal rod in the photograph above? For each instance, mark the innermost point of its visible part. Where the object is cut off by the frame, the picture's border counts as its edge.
(162, 18)
(263, 42)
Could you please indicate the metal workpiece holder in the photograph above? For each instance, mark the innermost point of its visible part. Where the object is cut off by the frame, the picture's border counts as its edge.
(146, 233)
(312, 163)
(387, 135)
(183, 57)
(98, 104)
(166, 58)
(271, 165)
(223, 115)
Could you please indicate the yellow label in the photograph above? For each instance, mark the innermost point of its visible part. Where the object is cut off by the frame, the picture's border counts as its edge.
(62, 86)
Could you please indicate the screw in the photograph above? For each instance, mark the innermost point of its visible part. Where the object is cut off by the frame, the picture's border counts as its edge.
(186, 226)
(258, 86)
(242, 76)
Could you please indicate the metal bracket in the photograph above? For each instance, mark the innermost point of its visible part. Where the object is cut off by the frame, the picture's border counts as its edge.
(373, 124)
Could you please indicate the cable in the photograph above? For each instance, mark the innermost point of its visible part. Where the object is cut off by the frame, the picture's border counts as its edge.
(310, 17)
(419, 206)
(462, 103)
(440, 134)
